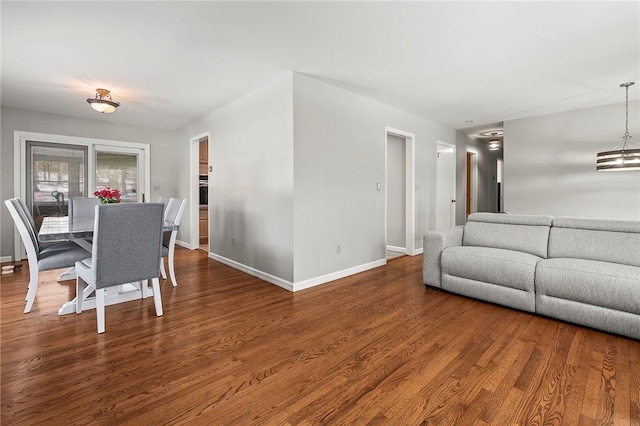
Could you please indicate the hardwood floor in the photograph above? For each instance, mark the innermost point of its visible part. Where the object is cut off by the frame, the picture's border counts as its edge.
(374, 348)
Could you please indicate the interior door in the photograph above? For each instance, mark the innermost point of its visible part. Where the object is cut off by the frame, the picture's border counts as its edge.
(121, 168)
(445, 186)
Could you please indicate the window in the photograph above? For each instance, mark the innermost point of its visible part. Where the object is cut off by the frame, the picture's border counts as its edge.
(54, 173)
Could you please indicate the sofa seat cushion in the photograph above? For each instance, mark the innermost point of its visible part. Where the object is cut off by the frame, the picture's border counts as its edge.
(502, 267)
(610, 285)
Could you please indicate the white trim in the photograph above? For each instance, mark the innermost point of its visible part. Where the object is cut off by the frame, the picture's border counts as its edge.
(194, 191)
(302, 285)
(474, 181)
(20, 138)
(312, 282)
(254, 272)
(183, 244)
(4, 259)
(410, 184)
(398, 249)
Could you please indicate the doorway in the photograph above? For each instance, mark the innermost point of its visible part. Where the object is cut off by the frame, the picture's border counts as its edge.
(500, 186)
(396, 197)
(203, 195)
(199, 185)
(471, 203)
(445, 185)
(399, 218)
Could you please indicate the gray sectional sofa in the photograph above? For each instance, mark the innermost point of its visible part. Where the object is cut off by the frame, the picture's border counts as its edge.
(585, 271)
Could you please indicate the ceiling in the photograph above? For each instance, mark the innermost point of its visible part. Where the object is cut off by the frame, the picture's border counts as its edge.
(464, 64)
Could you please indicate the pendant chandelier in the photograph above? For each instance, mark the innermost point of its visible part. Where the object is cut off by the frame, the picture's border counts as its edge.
(624, 158)
(103, 102)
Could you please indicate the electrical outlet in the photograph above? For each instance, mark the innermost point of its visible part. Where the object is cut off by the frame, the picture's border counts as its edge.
(338, 250)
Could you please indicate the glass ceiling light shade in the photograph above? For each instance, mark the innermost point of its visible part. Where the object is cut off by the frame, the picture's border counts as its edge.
(494, 144)
(620, 159)
(103, 102)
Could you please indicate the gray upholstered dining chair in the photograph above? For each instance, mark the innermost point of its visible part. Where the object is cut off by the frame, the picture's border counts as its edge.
(173, 215)
(127, 241)
(82, 209)
(41, 258)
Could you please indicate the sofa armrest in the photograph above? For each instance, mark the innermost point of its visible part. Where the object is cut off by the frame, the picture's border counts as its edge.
(434, 243)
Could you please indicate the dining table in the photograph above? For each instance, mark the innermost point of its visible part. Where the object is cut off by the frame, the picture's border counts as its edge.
(60, 228)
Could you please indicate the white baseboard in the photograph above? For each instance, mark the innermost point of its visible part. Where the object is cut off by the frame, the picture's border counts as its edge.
(403, 250)
(312, 282)
(396, 249)
(252, 271)
(4, 259)
(183, 244)
(288, 285)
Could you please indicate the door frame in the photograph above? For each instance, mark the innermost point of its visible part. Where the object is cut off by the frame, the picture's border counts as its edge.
(500, 181)
(410, 183)
(455, 195)
(194, 191)
(20, 139)
(473, 178)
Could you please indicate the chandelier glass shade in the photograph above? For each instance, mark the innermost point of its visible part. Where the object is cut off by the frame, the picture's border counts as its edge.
(622, 159)
(103, 102)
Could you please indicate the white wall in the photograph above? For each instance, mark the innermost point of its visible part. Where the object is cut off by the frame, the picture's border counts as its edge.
(163, 165)
(396, 199)
(550, 164)
(339, 144)
(251, 152)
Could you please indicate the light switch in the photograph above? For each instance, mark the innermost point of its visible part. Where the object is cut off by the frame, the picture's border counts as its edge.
(378, 186)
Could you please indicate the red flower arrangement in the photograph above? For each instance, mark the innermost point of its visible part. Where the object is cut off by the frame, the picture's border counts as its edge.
(108, 195)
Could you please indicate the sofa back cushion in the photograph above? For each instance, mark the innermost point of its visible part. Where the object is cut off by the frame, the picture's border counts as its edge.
(616, 241)
(525, 233)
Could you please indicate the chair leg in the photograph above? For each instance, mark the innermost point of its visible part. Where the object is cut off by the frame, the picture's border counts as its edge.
(144, 288)
(100, 309)
(80, 287)
(172, 272)
(33, 287)
(157, 298)
(162, 271)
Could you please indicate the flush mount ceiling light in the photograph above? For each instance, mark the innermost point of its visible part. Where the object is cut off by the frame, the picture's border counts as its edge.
(103, 102)
(494, 144)
(621, 159)
(493, 133)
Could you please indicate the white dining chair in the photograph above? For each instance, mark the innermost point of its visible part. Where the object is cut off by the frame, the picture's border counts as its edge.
(32, 223)
(172, 215)
(41, 258)
(127, 241)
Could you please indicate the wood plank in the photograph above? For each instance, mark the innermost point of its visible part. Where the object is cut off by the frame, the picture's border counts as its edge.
(374, 348)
